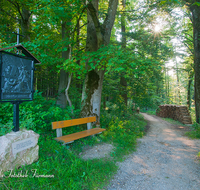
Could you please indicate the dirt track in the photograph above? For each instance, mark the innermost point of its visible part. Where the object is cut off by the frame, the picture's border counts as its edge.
(164, 160)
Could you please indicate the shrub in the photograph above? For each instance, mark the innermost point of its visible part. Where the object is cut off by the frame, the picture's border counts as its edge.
(36, 115)
(195, 131)
(123, 130)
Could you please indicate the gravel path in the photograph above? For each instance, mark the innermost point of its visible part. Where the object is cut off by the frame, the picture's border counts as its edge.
(164, 160)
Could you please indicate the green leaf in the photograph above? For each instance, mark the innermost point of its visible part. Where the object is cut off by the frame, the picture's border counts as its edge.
(196, 3)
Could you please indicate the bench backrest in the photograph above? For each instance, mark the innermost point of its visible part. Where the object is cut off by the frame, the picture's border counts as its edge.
(68, 123)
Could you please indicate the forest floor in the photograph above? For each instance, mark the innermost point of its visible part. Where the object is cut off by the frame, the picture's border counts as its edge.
(165, 160)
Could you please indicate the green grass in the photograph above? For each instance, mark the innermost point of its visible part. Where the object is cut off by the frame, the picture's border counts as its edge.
(195, 128)
(175, 122)
(195, 131)
(192, 113)
(66, 170)
(149, 111)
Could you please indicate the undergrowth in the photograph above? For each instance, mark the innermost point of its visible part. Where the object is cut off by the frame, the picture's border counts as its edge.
(175, 122)
(149, 111)
(195, 131)
(36, 115)
(62, 164)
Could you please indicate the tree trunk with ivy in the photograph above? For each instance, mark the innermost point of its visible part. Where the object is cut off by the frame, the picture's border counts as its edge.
(97, 35)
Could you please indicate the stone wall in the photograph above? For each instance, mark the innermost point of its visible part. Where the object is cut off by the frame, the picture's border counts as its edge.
(18, 148)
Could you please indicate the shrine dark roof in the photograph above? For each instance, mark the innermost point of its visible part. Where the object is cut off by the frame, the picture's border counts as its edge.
(24, 51)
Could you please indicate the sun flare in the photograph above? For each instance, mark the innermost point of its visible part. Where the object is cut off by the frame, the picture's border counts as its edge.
(157, 28)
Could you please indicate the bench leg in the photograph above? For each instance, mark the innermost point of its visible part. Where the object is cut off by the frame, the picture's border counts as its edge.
(89, 126)
(59, 132)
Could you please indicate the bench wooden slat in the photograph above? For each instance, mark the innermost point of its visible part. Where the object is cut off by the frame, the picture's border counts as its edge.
(78, 135)
(69, 123)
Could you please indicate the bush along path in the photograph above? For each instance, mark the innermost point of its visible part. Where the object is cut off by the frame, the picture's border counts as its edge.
(165, 159)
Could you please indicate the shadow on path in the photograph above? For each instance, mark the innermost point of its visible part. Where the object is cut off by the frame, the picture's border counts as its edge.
(164, 160)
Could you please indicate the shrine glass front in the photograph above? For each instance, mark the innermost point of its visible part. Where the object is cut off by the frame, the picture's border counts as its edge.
(16, 77)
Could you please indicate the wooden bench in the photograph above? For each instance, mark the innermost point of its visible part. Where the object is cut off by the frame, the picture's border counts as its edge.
(58, 125)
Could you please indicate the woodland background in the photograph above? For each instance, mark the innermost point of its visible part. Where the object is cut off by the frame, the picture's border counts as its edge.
(102, 58)
(149, 60)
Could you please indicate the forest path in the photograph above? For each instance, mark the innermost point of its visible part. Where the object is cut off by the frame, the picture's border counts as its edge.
(164, 160)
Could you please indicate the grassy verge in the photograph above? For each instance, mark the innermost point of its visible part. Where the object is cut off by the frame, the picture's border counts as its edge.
(63, 168)
(194, 132)
(60, 167)
(192, 113)
(174, 122)
(149, 111)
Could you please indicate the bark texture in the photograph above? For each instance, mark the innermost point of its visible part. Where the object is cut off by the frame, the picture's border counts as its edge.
(123, 82)
(25, 23)
(196, 37)
(190, 79)
(63, 81)
(97, 35)
(178, 97)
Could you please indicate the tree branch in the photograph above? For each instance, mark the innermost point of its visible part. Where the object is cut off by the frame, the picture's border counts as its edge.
(192, 52)
(187, 38)
(109, 20)
(78, 21)
(17, 7)
(93, 14)
(67, 95)
(8, 14)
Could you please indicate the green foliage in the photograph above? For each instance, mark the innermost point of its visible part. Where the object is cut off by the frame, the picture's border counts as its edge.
(6, 128)
(148, 101)
(170, 1)
(36, 115)
(192, 113)
(195, 131)
(6, 118)
(123, 132)
(123, 128)
(141, 63)
(62, 163)
(196, 3)
(6, 112)
(149, 111)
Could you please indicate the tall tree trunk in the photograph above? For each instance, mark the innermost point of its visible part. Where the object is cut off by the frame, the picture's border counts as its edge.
(123, 82)
(25, 23)
(78, 81)
(178, 85)
(63, 81)
(91, 98)
(196, 37)
(166, 83)
(189, 91)
(97, 35)
(123, 88)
